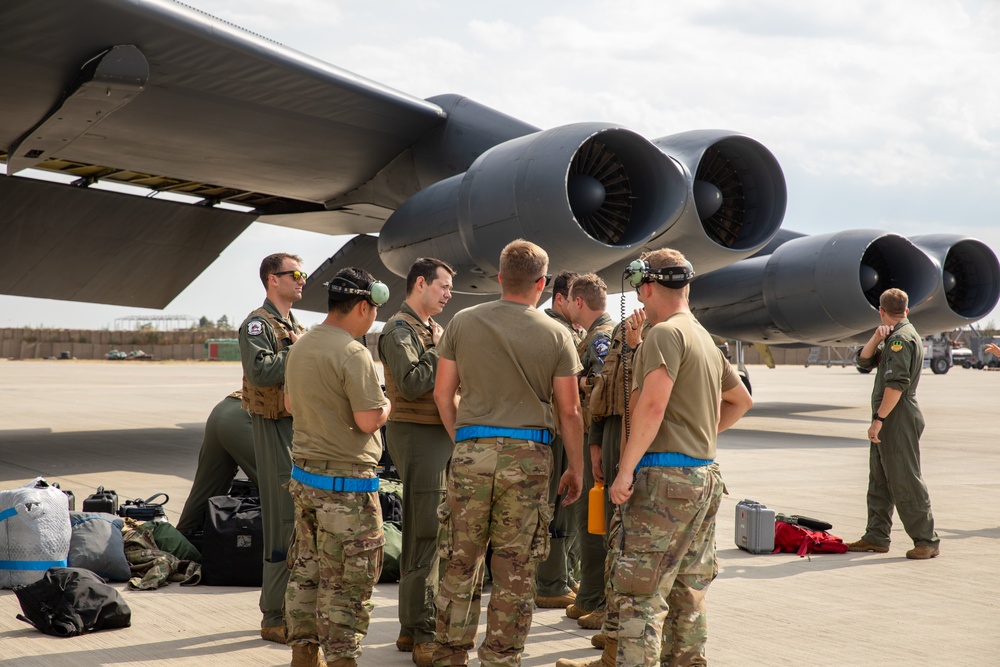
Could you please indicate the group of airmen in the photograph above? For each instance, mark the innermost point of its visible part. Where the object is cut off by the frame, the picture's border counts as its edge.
(497, 423)
(487, 421)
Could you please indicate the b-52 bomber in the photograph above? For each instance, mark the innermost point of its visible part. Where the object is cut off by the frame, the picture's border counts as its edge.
(160, 95)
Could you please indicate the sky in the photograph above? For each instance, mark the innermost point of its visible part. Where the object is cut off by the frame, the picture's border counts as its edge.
(883, 114)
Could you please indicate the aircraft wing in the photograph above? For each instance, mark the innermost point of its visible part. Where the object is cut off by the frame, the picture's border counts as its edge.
(162, 96)
(158, 88)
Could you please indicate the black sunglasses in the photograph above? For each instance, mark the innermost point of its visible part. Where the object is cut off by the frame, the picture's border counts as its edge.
(296, 275)
(548, 278)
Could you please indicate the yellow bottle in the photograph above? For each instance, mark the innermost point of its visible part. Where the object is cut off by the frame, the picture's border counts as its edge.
(595, 509)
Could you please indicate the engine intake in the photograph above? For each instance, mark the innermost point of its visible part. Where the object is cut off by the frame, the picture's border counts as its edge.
(814, 289)
(736, 201)
(968, 287)
(588, 193)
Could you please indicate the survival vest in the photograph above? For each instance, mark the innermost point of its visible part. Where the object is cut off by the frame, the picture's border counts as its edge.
(422, 409)
(607, 393)
(268, 402)
(599, 332)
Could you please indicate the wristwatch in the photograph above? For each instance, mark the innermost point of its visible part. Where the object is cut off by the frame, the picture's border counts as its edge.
(875, 417)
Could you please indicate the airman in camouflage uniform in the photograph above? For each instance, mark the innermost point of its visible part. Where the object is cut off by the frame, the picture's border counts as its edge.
(511, 362)
(667, 488)
(336, 556)
(265, 337)
(894, 478)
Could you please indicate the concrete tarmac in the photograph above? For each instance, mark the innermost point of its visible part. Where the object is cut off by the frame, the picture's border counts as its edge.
(136, 427)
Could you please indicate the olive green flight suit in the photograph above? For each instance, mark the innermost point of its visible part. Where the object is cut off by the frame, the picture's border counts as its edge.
(421, 453)
(593, 548)
(894, 478)
(263, 357)
(554, 577)
(226, 447)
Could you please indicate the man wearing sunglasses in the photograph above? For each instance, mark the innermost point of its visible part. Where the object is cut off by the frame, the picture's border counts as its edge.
(265, 337)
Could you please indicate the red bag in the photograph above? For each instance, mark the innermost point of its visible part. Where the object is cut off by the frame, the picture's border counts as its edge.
(792, 538)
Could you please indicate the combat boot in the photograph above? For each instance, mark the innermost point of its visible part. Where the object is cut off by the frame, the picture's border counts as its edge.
(423, 654)
(556, 601)
(306, 655)
(607, 658)
(864, 545)
(592, 621)
(923, 552)
(273, 633)
(342, 662)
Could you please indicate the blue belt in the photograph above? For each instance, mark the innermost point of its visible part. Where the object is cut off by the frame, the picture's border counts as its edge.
(671, 460)
(327, 483)
(533, 434)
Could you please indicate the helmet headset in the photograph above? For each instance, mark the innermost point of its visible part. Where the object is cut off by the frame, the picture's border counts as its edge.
(342, 289)
(674, 277)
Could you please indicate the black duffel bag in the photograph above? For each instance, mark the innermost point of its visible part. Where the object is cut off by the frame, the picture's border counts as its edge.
(145, 510)
(71, 601)
(232, 548)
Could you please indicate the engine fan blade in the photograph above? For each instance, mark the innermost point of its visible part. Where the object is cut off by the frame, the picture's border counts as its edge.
(599, 192)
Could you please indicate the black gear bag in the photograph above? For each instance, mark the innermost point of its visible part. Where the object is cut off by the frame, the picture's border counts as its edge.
(232, 548)
(71, 601)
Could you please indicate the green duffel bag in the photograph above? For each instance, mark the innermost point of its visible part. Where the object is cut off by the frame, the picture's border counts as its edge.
(393, 548)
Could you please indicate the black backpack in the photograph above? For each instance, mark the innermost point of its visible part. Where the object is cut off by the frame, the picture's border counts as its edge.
(71, 601)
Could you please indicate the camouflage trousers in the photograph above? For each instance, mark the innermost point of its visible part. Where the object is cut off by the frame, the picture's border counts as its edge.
(661, 560)
(497, 495)
(334, 561)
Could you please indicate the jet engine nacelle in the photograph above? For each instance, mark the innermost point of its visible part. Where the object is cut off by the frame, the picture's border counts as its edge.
(736, 197)
(589, 193)
(968, 285)
(814, 289)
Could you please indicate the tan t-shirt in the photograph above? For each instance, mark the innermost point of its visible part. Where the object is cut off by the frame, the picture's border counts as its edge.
(330, 376)
(700, 374)
(506, 354)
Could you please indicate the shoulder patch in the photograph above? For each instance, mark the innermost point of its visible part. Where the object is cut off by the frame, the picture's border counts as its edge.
(896, 346)
(255, 328)
(601, 347)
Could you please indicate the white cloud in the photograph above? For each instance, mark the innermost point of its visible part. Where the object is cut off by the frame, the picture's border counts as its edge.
(497, 35)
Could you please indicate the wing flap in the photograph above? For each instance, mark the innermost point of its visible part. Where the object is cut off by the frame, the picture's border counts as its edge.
(69, 243)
